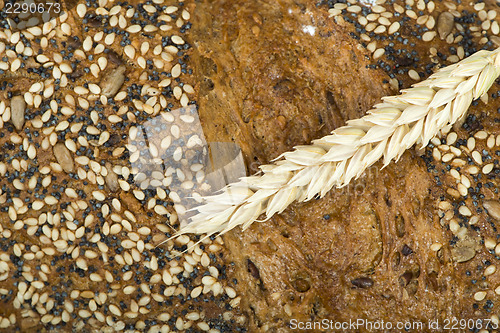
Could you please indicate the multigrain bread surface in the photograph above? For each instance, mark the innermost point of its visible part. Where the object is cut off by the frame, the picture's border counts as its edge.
(79, 232)
(396, 245)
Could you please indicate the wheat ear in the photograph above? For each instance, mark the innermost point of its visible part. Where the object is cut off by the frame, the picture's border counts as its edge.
(391, 127)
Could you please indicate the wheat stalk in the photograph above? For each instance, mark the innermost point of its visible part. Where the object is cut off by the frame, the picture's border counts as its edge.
(413, 117)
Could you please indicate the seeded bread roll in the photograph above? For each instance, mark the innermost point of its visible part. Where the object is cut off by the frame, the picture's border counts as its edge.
(83, 218)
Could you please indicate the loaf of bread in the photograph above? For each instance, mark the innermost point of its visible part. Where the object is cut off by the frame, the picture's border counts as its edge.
(103, 105)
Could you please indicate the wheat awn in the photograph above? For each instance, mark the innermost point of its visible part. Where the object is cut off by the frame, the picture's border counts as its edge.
(391, 127)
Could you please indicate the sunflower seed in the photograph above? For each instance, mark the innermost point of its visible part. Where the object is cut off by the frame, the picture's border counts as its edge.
(63, 157)
(111, 179)
(445, 24)
(17, 109)
(113, 82)
(493, 208)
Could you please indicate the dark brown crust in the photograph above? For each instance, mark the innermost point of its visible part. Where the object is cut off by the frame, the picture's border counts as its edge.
(371, 257)
(267, 85)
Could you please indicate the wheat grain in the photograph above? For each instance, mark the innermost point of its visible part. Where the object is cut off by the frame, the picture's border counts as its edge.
(413, 117)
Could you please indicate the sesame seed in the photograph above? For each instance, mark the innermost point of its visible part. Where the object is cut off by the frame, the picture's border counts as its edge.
(380, 29)
(334, 12)
(196, 292)
(436, 154)
(413, 75)
(454, 226)
(208, 280)
(81, 10)
(462, 189)
(128, 290)
(490, 270)
(90, 254)
(455, 151)
(473, 170)
(488, 168)
(394, 27)
(129, 51)
(447, 157)
(465, 181)
(477, 157)
(495, 28)
(115, 310)
(481, 135)
(354, 9)
(176, 71)
(453, 192)
(480, 295)
(177, 40)
(94, 88)
(378, 53)
(134, 28)
(490, 243)
(428, 36)
(490, 143)
(465, 211)
(95, 277)
(451, 138)
(203, 326)
(436, 247)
